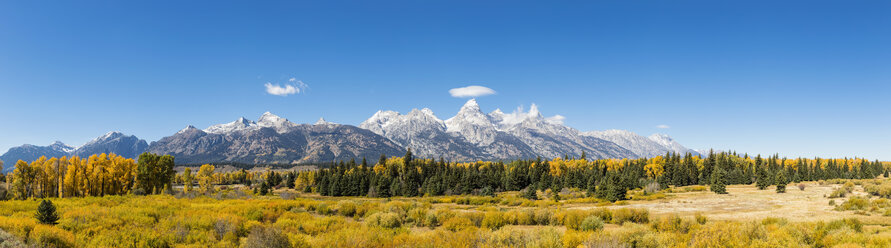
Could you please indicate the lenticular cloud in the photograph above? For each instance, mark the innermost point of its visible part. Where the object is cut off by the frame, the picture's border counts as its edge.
(471, 91)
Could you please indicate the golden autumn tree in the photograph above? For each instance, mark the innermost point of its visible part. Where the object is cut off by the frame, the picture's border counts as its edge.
(187, 180)
(205, 178)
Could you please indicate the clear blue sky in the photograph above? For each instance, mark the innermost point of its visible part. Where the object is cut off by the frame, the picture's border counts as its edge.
(799, 78)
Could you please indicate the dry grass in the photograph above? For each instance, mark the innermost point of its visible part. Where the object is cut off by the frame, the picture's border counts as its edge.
(746, 202)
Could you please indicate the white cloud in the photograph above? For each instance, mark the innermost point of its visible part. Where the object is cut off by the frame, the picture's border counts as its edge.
(294, 87)
(519, 115)
(557, 119)
(663, 126)
(471, 91)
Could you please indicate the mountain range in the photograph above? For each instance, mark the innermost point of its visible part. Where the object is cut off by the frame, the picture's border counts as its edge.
(470, 135)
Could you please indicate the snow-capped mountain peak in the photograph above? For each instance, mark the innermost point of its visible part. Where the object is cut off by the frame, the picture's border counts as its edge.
(59, 146)
(472, 124)
(237, 125)
(470, 105)
(188, 128)
(670, 143)
(424, 115)
(640, 145)
(276, 122)
(322, 121)
(470, 114)
(111, 135)
(107, 136)
(662, 139)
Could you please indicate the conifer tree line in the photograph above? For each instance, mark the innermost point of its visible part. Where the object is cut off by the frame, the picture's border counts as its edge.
(608, 179)
(96, 175)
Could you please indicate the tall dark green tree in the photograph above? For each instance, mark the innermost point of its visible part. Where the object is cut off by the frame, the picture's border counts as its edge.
(154, 173)
(46, 213)
(718, 181)
(762, 178)
(781, 181)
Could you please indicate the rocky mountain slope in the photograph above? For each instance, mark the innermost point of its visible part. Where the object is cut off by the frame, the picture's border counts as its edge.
(273, 139)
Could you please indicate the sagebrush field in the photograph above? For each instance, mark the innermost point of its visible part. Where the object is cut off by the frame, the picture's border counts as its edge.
(677, 217)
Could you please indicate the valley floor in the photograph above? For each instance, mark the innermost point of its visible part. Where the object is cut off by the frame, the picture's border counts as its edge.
(233, 217)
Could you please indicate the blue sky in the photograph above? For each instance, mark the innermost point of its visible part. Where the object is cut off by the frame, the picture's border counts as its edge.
(799, 78)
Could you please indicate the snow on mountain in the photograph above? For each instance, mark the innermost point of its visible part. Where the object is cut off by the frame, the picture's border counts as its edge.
(421, 131)
(322, 121)
(473, 135)
(59, 146)
(548, 137)
(235, 126)
(187, 129)
(128, 146)
(671, 144)
(30, 153)
(273, 139)
(640, 145)
(281, 125)
(472, 124)
(106, 136)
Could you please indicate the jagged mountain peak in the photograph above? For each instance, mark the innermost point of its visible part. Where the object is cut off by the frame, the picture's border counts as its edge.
(118, 143)
(322, 121)
(188, 128)
(640, 145)
(470, 105)
(276, 122)
(671, 144)
(472, 124)
(470, 113)
(269, 117)
(237, 125)
(107, 136)
(59, 146)
(243, 120)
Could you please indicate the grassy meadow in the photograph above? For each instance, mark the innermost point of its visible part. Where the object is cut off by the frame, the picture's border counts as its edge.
(834, 213)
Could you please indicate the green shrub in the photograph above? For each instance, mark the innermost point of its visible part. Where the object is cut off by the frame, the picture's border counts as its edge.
(591, 223)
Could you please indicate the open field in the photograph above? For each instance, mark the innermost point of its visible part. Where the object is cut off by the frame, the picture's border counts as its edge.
(746, 217)
(746, 202)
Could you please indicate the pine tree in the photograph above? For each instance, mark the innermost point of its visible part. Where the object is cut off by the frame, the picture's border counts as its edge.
(615, 190)
(529, 193)
(407, 159)
(555, 193)
(781, 181)
(763, 180)
(264, 188)
(718, 181)
(46, 213)
(592, 187)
